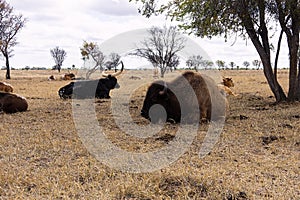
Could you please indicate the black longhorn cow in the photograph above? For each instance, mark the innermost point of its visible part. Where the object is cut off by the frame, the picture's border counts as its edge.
(98, 88)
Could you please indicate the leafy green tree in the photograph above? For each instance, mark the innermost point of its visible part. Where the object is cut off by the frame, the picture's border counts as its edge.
(247, 18)
(220, 64)
(10, 25)
(207, 64)
(90, 51)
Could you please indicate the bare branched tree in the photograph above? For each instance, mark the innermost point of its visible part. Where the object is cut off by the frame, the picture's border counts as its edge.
(197, 61)
(194, 62)
(161, 48)
(256, 63)
(113, 61)
(246, 64)
(59, 56)
(91, 52)
(10, 25)
(232, 65)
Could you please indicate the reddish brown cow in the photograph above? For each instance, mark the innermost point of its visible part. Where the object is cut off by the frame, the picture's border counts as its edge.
(69, 76)
(11, 103)
(225, 87)
(5, 87)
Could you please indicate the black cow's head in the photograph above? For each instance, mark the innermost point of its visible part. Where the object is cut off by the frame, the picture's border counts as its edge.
(160, 104)
(104, 74)
(66, 91)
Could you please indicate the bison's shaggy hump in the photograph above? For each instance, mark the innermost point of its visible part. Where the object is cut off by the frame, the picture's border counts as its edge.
(209, 100)
(11, 103)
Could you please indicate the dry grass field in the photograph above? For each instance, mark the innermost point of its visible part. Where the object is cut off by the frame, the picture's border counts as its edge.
(257, 156)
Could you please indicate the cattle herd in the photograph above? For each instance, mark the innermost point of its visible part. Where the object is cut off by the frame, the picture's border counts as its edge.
(190, 97)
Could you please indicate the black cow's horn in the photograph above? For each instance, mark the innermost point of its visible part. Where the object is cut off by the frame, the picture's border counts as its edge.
(114, 74)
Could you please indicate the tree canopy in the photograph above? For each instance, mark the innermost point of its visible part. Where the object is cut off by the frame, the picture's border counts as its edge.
(254, 19)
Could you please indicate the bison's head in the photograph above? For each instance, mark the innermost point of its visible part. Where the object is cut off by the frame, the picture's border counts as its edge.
(160, 104)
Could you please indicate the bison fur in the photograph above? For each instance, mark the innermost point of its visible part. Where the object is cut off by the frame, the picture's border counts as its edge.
(190, 98)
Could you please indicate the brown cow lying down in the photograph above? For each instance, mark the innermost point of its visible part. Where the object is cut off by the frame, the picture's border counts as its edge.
(5, 87)
(11, 103)
(225, 87)
(69, 76)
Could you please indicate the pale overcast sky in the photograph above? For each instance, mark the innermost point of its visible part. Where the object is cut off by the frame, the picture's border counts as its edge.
(67, 23)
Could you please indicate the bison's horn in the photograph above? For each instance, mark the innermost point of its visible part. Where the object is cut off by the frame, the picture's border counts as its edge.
(114, 74)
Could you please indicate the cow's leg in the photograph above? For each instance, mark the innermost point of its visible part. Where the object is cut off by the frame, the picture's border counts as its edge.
(203, 113)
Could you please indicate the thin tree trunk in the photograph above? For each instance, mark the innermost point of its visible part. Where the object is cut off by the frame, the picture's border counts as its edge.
(277, 54)
(7, 67)
(298, 85)
(293, 43)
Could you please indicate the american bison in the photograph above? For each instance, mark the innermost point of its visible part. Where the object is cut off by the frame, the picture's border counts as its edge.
(99, 88)
(183, 99)
(5, 87)
(11, 103)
